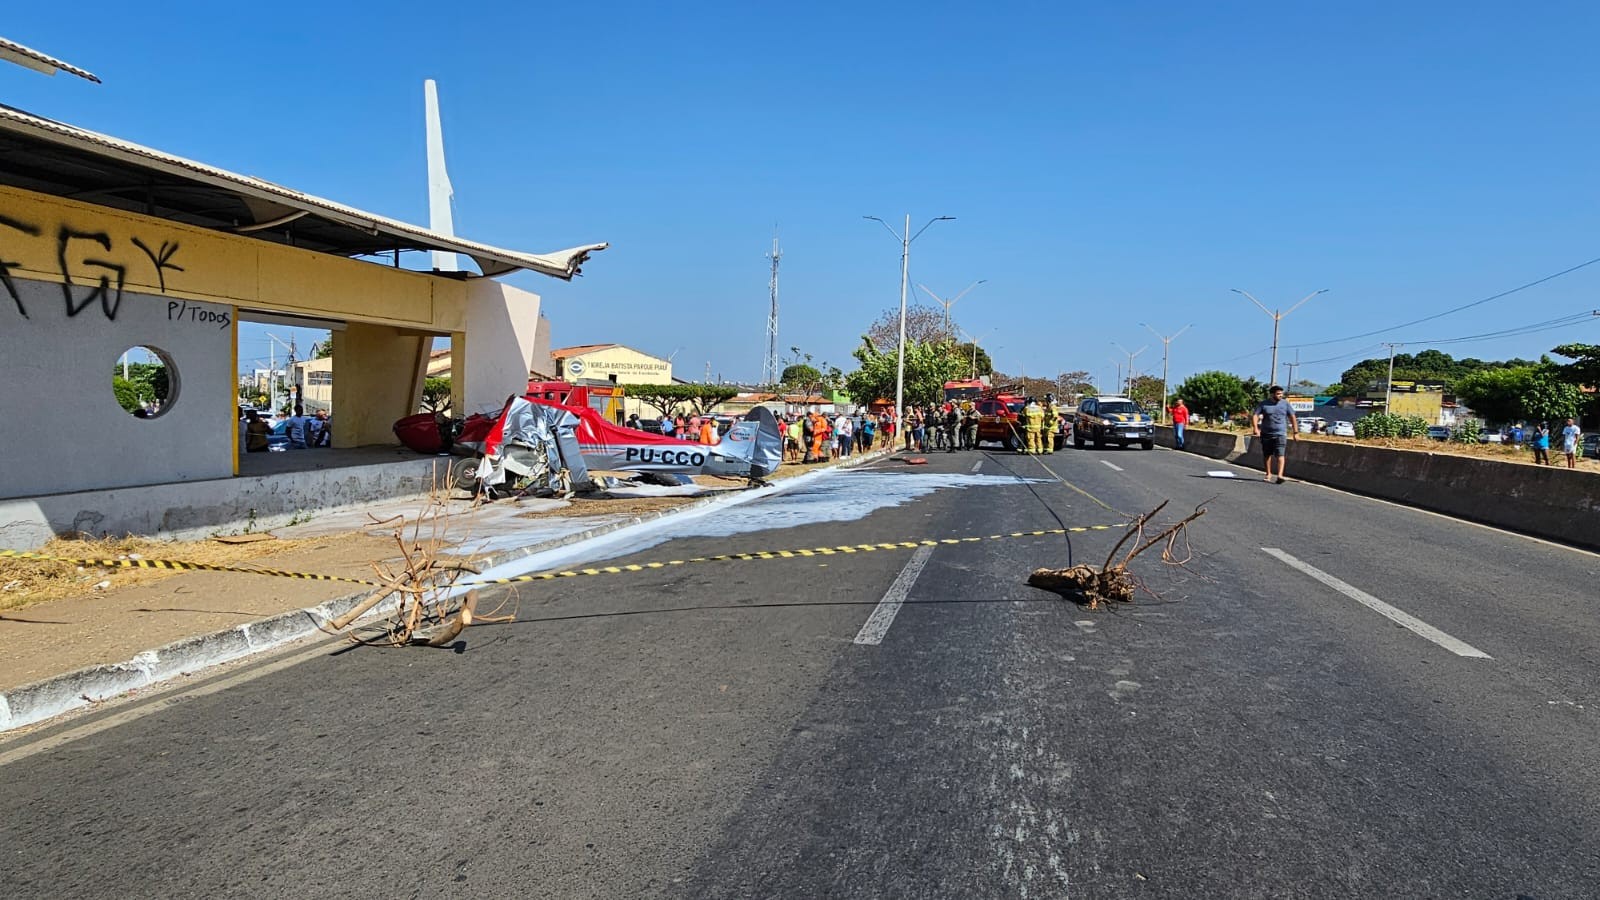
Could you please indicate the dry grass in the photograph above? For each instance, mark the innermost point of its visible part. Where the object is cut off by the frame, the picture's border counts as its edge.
(26, 582)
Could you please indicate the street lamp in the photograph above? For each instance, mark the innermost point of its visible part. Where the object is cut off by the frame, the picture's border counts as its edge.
(1166, 345)
(1129, 392)
(905, 238)
(1276, 318)
(974, 342)
(951, 302)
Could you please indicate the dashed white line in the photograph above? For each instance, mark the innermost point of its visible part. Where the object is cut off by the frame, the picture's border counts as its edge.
(1112, 464)
(1399, 617)
(877, 624)
(977, 465)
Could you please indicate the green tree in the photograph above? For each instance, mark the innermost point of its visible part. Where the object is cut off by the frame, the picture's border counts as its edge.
(1548, 397)
(1495, 394)
(1146, 391)
(928, 366)
(435, 394)
(801, 377)
(1584, 369)
(1214, 395)
(688, 399)
(799, 374)
(127, 393)
(978, 361)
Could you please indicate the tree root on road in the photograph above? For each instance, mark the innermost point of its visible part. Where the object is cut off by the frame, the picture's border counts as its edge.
(1093, 587)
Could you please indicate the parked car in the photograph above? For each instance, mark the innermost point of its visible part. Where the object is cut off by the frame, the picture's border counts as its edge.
(1311, 424)
(1590, 444)
(1486, 436)
(1439, 432)
(1342, 429)
(1113, 420)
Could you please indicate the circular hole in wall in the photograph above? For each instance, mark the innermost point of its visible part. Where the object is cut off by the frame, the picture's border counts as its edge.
(144, 381)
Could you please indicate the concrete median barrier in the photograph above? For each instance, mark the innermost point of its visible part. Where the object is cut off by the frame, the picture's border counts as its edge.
(1549, 502)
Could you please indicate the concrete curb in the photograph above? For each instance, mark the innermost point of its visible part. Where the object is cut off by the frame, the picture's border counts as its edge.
(41, 700)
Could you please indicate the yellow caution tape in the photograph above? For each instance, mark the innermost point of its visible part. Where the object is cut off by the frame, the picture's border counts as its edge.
(782, 554)
(182, 566)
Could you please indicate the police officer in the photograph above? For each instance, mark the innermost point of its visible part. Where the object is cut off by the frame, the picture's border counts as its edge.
(1052, 421)
(952, 428)
(1033, 416)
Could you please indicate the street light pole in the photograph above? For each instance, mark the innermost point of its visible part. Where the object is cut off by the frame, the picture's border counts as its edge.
(1129, 392)
(1166, 345)
(948, 324)
(1276, 318)
(905, 238)
(974, 340)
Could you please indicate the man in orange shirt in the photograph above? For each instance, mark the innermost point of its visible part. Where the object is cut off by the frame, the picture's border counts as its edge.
(821, 436)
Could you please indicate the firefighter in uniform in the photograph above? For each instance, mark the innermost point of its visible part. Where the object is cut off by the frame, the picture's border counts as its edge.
(1033, 415)
(1052, 421)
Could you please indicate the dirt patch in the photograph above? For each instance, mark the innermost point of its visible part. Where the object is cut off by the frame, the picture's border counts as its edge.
(27, 582)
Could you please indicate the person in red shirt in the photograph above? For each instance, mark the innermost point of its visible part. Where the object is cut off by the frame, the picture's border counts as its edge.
(1180, 420)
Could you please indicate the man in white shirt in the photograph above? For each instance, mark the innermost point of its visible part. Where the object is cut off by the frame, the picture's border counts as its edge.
(844, 434)
(1569, 443)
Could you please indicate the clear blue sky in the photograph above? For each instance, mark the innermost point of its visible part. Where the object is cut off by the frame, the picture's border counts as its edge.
(1109, 164)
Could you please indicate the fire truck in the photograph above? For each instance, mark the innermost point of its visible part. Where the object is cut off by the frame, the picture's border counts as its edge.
(1000, 416)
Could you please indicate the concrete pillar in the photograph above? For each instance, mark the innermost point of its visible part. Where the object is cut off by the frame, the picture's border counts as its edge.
(378, 374)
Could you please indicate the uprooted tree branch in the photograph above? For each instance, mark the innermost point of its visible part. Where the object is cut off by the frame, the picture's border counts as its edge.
(1093, 586)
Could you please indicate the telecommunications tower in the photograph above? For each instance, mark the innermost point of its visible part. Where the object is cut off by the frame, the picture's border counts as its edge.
(769, 366)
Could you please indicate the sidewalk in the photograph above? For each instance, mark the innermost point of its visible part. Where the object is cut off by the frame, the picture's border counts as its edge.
(68, 653)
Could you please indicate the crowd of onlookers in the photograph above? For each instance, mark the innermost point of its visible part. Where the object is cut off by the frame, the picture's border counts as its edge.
(1538, 439)
(812, 436)
(285, 430)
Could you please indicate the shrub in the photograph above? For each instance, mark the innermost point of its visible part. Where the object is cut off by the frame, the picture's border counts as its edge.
(1466, 431)
(1388, 425)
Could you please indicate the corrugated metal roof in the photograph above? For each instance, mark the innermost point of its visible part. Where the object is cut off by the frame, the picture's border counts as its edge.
(491, 261)
(579, 350)
(40, 62)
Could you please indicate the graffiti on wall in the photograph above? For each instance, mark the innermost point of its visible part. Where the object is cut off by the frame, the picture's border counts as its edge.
(5, 267)
(102, 271)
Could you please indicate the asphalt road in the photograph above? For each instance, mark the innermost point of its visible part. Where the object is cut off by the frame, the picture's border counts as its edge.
(715, 730)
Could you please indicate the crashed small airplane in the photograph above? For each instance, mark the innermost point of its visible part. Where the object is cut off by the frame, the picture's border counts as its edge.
(554, 440)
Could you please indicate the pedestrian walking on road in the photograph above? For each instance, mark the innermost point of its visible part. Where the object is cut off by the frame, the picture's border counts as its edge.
(1180, 421)
(1274, 425)
(1569, 443)
(1541, 445)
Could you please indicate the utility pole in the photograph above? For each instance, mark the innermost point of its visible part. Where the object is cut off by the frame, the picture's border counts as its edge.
(905, 239)
(1388, 386)
(1166, 345)
(1291, 366)
(770, 371)
(1277, 317)
(1129, 392)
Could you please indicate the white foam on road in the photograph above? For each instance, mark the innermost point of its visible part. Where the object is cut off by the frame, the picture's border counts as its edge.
(845, 496)
(1397, 616)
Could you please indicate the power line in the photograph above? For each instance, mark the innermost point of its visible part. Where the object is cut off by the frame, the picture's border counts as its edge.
(1535, 283)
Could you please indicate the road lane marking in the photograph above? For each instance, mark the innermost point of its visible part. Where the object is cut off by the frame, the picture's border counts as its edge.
(1399, 617)
(1112, 464)
(977, 465)
(167, 701)
(877, 624)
